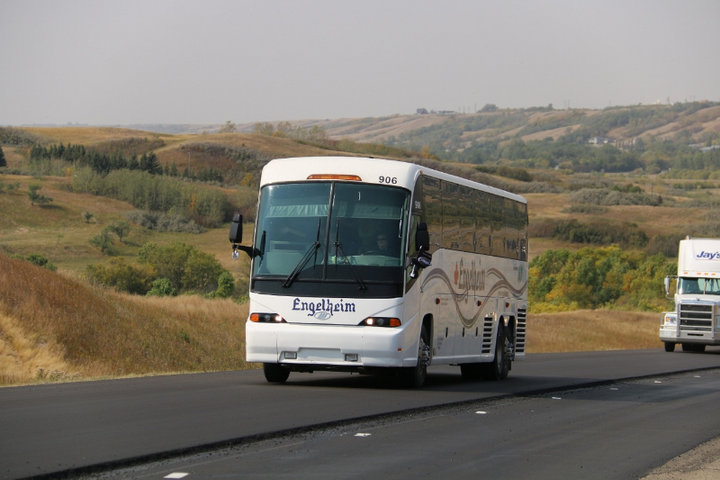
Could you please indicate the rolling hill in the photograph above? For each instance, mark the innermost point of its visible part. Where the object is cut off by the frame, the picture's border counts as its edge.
(55, 326)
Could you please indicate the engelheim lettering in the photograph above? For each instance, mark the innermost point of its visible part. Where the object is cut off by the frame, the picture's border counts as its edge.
(324, 305)
(469, 279)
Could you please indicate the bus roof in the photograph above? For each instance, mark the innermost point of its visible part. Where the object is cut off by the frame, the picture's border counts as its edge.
(367, 169)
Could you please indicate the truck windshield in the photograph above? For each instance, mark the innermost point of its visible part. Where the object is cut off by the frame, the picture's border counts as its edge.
(705, 286)
(330, 238)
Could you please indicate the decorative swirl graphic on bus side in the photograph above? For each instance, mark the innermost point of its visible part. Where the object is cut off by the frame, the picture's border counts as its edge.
(501, 283)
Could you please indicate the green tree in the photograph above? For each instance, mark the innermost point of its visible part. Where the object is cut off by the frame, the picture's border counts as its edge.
(162, 287)
(121, 229)
(150, 163)
(36, 197)
(201, 272)
(3, 162)
(226, 285)
(121, 275)
(597, 278)
(186, 268)
(265, 128)
(168, 261)
(104, 242)
(229, 127)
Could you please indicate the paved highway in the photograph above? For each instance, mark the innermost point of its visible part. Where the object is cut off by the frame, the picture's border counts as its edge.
(73, 427)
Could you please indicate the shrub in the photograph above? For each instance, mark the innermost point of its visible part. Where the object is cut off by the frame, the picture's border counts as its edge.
(39, 260)
(596, 233)
(164, 222)
(599, 196)
(162, 287)
(226, 285)
(36, 198)
(104, 242)
(206, 206)
(122, 276)
(186, 268)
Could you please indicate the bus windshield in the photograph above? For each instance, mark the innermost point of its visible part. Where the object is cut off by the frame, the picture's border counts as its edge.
(330, 238)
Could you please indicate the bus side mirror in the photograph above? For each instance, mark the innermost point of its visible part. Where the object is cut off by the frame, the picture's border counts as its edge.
(236, 237)
(422, 245)
(236, 229)
(422, 237)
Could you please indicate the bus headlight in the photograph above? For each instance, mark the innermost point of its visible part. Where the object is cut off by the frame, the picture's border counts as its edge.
(381, 322)
(266, 318)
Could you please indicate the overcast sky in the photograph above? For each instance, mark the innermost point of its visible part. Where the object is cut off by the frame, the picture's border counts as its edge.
(104, 62)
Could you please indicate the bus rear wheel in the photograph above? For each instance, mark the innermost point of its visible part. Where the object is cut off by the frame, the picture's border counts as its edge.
(499, 368)
(275, 373)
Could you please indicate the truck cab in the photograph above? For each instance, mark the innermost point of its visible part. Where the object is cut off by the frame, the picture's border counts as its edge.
(695, 321)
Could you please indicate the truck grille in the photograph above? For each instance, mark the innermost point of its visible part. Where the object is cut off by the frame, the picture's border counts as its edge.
(696, 317)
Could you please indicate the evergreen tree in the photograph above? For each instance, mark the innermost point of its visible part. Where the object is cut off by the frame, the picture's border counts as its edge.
(149, 163)
(3, 162)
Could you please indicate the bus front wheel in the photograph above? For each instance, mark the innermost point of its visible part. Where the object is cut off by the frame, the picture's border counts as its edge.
(414, 377)
(275, 373)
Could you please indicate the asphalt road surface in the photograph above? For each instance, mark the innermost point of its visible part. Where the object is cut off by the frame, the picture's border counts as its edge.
(583, 415)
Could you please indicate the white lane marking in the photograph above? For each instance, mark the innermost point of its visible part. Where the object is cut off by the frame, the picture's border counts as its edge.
(177, 475)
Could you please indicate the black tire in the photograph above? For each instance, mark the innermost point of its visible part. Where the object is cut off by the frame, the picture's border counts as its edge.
(499, 368)
(275, 373)
(693, 347)
(473, 371)
(669, 346)
(414, 377)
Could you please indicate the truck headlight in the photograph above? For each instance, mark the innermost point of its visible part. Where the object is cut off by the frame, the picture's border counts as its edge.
(670, 320)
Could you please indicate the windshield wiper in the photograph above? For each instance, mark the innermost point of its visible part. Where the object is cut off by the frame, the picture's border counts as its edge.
(340, 253)
(310, 252)
(293, 275)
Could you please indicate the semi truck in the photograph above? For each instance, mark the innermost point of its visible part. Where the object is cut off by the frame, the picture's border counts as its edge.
(695, 322)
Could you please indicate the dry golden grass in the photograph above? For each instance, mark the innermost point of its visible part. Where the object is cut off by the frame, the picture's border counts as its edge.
(90, 135)
(273, 147)
(53, 327)
(25, 355)
(587, 330)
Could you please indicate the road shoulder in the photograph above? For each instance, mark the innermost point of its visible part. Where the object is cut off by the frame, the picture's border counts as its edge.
(700, 463)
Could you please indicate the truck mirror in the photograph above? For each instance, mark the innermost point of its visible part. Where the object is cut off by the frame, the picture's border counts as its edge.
(667, 286)
(236, 229)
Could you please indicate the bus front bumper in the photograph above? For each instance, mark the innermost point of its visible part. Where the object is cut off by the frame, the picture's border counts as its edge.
(329, 347)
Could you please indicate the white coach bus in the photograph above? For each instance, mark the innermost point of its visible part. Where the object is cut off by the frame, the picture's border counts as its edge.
(372, 265)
